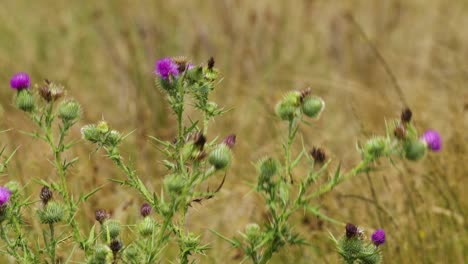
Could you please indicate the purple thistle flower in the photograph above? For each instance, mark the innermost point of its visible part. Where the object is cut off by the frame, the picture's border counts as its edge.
(145, 210)
(165, 67)
(378, 237)
(351, 230)
(432, 139)
(5, 194)
(20, 81)
(230, 140)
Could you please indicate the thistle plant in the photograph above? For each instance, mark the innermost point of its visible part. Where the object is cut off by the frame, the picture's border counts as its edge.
(54, 118)
(190, 160)
(286, 193)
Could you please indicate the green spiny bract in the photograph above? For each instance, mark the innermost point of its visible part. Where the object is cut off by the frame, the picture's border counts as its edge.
(69, 110)
(375, 148)
(25, 101)
(174, 184)
(267, 167)
(414, 149)
(53, 212)
(220, 157)
(110, 229)
(313, 106)
(146, 227)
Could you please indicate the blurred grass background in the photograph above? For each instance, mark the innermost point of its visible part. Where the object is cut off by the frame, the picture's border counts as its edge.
(104, 53)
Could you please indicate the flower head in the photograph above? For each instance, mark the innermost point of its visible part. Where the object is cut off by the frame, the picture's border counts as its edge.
(145, 210)
(20, 81)
(165, 67)
(230, 140)
(351, 230)
(432, 139)
(378, 237)
(5, 194)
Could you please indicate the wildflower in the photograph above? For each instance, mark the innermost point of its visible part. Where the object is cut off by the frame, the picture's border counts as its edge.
(230, 140)
(318, 154)
(46, 195)
(378, 237)
(166, 67)
(406, 115)
(20, 81)
(100, 215)
(115, 246)
(432, 139)
(5, 194)
(351, 230)
(145, 210)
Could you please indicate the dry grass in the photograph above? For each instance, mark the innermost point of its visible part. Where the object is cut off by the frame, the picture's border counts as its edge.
(104, 51)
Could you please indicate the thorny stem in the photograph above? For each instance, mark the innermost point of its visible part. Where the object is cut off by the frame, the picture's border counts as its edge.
(52, 244)
(291, 135)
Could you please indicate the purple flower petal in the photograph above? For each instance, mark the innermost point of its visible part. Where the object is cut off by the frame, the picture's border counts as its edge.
(5, 194)
(20, 81)
(378, 237)
(165, 67)
(433, 140)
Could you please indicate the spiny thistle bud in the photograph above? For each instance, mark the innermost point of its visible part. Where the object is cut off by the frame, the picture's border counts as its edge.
(406, 115)
(91, 133)
(20, 81)
(351, 230)
(112, 228)
(52, 213)
(252, 231)
(287, 107)
(350, 248)
(414, 149)
(146, 227)
(102, 127)
(230, 141)
(370, 255)
(433, 140)
(145, 210)
(101, 254)
(13, 186)
(115, 246)
(378, 237)
(313, 106)
(25, 100)
(268, 168)
(211, 108)
(69, 110)
(211, 63)
(174, 184)
(45, 195)
(100, 215)
(318, 154)
(375, 147)
(220, 156)
(113, 138)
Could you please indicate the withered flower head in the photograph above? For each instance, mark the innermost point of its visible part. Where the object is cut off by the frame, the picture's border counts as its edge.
(115, 246)
(304, 93)
(406, 115)
(50, 91)
(318, 154)
(101, 215)
(211, 63)
(199, 140)
(46, 195)
(181, 62)
(400, 131)
(230, 140)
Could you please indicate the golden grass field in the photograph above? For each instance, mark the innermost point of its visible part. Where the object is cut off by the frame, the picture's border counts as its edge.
(104, 53)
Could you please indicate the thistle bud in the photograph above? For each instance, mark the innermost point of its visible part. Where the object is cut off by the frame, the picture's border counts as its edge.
(268, 168)
(91, 133)
(252, 231)
(318, 154)
(414, 150)
(174, 184)
(69, 110)
(375, 147)
(146, 227)
(112, 228)
(406, 115)
(211, 108)
(400, 131)
(13, 186)
(102, 127)
(100, 215)
(113, 138)
(25, 101)
(52, 213)
(46, 195)
(101, 254)
(145, 210)
(313, 106)
(220, 156)
(115, 246)
(350, 248)
(286, 108)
